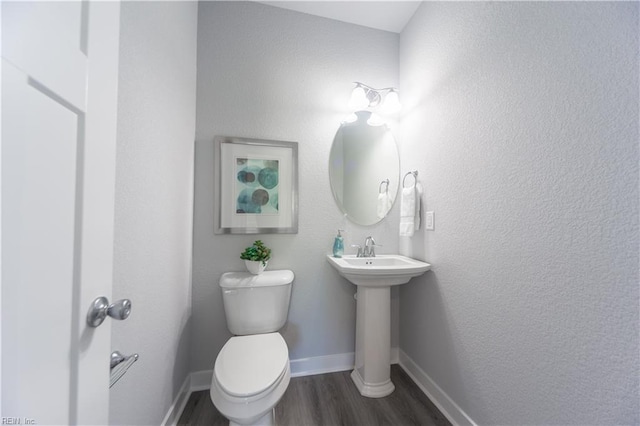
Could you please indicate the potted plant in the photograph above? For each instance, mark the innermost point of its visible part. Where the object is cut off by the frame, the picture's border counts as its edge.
(256, 257)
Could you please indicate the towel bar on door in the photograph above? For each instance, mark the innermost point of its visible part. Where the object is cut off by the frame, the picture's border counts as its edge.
(119, 365)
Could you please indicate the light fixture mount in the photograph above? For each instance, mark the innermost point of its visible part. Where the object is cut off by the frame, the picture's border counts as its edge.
(364, 96)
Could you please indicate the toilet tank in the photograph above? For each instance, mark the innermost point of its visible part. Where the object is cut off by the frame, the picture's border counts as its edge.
(255, 304)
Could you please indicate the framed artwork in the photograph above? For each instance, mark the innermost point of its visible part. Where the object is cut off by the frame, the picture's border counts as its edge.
(256, 188)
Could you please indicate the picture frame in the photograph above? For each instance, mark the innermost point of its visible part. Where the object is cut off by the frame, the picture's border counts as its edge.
(256, 187)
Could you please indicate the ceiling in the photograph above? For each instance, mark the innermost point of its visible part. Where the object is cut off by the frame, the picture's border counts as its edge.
(383, 15)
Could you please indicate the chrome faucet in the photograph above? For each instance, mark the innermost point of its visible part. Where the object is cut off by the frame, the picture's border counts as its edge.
(369, 245)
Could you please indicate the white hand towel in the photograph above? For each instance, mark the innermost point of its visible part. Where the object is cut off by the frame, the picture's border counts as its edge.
(416, 219)
(408, 211)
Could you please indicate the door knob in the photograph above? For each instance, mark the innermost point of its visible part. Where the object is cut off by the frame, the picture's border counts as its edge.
(100, 308)
(120, 309)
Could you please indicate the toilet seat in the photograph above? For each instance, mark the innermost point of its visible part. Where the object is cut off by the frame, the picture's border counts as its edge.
(249, 365)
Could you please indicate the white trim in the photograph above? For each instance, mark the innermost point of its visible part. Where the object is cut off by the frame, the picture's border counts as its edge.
(175, 411)
(395, 358)
(445, 404)
(322, 364)
(201, 380)
(329, 363)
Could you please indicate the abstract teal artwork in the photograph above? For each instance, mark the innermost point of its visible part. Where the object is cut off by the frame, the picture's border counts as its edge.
(256, 186)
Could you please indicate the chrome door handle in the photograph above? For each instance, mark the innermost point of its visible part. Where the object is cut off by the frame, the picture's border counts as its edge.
(100, 308)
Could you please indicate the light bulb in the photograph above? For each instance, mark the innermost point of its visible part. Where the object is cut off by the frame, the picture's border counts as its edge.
(358, 99)
(392, 102)
(351, 118)
(375, 120)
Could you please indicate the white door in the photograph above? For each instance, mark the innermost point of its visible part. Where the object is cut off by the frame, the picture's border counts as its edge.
(59, 99)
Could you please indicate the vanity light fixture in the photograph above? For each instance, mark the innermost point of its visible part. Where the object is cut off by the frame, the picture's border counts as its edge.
(366, 97)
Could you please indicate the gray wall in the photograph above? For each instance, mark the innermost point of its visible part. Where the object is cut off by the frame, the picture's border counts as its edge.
(522, 119)
(154, 199)
(270, 73)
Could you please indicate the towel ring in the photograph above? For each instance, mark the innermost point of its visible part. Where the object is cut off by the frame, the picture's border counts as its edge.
(380, 187)
(415, 177)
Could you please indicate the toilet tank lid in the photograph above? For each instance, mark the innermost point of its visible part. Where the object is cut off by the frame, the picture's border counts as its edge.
(265, 279)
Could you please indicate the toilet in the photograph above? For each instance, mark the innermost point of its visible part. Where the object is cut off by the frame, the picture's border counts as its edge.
(252, 372)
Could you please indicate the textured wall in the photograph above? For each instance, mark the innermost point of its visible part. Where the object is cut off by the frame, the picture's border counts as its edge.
(154, 199)
(265, 72)
(522, 119)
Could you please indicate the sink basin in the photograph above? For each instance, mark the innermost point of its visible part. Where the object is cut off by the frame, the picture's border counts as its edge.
(380, 271)
(374, 277)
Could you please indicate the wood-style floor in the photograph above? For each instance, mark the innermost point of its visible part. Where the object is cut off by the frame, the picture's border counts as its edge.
(331, 400)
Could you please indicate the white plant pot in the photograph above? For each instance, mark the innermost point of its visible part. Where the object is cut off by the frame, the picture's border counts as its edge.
(255, 266)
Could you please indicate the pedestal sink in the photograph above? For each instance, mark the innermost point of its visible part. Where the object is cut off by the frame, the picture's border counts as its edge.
(374, 277)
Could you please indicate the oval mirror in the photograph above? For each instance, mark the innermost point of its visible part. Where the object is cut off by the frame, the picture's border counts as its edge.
(364, 170)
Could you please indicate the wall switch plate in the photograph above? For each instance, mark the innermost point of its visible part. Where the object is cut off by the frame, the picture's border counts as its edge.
(429, 221)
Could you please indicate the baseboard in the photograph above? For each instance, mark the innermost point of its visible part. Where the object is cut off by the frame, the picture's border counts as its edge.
(322, 364)
(201, 380)
(395, 358)
(329, 363)
(180, 401)
(445, 404)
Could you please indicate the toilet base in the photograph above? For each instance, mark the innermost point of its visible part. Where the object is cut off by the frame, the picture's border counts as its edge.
(268, 419)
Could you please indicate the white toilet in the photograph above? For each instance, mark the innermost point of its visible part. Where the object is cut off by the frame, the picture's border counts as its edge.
(252, 370)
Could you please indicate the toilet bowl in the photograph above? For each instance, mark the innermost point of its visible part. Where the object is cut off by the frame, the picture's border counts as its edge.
(250, 377)
(251, 372)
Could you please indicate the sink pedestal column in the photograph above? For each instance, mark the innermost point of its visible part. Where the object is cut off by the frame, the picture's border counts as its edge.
(374, 277)
(372, 374)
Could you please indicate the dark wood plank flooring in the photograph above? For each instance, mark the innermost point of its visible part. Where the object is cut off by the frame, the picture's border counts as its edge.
(331, 400)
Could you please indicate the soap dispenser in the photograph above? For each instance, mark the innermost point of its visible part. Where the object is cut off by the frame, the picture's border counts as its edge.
(338, 245)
